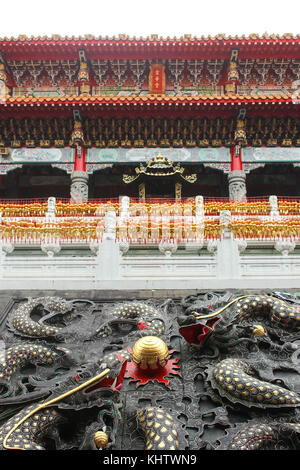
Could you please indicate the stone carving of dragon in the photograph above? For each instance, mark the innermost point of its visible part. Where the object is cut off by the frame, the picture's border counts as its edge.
(160, 429)
(90, 388)
(262, 436)
(15, 357)
(28, 428)
(23, 325)
(219, 332)
(234, 378)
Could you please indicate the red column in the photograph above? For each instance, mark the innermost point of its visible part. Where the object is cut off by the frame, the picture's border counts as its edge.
(79, 163)
(236, 158)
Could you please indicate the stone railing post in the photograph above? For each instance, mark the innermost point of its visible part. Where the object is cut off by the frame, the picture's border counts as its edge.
(122, 221)
(225, 219)
(6, 248)
(124, 207)
(109, 256)
(50, 214)
(199, 204)
(274, 212)
(110, 225)
(199, 226)
(228, 257)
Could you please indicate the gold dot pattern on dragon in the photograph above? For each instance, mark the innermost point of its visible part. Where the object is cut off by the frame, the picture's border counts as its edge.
(26, 435)
(159, 428)
(23, 324)
(232, 377)
(279, 311)
(148, 314)
(17, 356)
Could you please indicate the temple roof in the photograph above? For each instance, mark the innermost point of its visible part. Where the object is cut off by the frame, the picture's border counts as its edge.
(278, 96)
(155, 37)
(159, 102)
(56, 46)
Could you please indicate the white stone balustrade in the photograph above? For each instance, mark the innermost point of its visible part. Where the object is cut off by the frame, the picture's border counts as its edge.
(117, 257)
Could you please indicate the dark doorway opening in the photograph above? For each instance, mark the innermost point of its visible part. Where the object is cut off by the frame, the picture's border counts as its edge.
(35, 181)
(108, 183)
(282, 179)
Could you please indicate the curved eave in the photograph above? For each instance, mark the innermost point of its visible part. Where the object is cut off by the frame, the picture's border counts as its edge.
(149, 100)
(123, 46)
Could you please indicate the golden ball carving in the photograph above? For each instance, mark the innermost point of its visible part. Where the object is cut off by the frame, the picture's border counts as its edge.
(100, 439)
(150, 352)
(258, 330)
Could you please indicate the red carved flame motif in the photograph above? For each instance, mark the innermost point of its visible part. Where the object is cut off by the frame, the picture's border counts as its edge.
(198, 333)
(161, 374)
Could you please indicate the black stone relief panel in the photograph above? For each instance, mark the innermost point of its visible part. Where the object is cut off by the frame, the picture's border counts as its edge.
(210, 370)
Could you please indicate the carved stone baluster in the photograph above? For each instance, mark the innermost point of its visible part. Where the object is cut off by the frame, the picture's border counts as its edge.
(274, 212)
(285, 246)
(50, 214)
(50, 246)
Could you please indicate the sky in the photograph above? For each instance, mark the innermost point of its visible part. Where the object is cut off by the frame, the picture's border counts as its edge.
(142, 18)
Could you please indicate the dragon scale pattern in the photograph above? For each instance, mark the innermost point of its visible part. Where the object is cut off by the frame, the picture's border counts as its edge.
(150, 316)
(15, 434)
(232, 379)
(22, 324)
(17, 356)
(261, 436)
(277, 310)
(160, 429)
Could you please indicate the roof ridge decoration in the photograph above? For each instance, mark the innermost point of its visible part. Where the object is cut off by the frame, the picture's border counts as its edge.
(152, 98)
(154, 38)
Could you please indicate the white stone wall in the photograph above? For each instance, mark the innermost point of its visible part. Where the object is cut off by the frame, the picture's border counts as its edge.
(219, 264)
